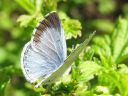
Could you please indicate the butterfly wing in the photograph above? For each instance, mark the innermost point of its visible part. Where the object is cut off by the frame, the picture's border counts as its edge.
(33, 64)
(46, 51)
(67, 63)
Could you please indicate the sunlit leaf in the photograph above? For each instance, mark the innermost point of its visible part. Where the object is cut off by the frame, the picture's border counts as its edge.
(25, 20)
(27, 5)
(88, 69)
(120, 39)
(72, 27)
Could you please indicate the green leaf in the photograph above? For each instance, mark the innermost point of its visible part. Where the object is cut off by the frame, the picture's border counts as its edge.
(25, 20)
(107, 6)
(120, 40)
(112, 49)
(99, 23)
(3, 55)
(114, 45)
(27, 5)
(123, 69)
(104, 46)
(39, 5)
(88, 69)
(3, 82)
(3, 86)
(49, 5)
(71, 27)
(29, 20)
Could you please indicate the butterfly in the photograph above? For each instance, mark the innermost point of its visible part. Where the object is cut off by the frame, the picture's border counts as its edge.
(46, 50)
(44, 57)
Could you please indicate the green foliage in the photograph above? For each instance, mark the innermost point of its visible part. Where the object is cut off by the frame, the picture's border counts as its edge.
(106, 6)
(112, 52)
(100, 70)
(35, 14)
(74, 28)
(99, 23)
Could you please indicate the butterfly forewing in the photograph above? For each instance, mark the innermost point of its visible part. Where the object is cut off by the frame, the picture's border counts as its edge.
(46, 51)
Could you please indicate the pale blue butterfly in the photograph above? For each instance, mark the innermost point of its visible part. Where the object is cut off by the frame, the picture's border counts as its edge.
(46, 51)
(43, 58)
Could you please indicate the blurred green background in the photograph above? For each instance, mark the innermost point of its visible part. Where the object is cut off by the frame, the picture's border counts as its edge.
(79, 19)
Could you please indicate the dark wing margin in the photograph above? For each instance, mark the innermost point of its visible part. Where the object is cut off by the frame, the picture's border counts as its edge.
(40, 29)
(51, 20)
(50, 26)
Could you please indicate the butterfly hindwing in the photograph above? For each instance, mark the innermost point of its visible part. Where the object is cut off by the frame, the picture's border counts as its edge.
(34, 64)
